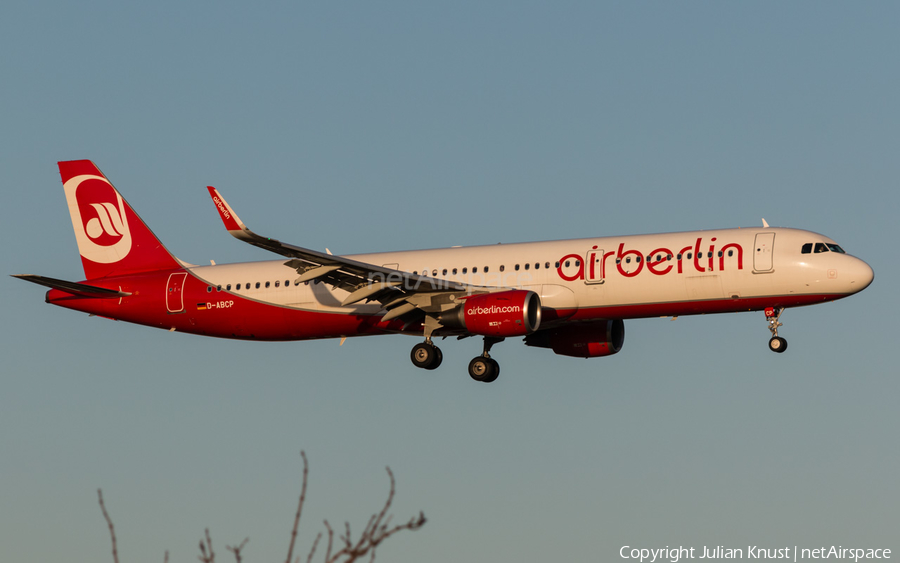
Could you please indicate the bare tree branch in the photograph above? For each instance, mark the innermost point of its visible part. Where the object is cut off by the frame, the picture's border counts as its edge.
(112, 531)
(377, 529)
(237, 550)
(313, 550)
(299, 507)
(330, 540)
(206, 557)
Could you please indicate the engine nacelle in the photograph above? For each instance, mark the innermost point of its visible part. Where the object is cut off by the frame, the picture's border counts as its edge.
(505, 313)
(592, 340)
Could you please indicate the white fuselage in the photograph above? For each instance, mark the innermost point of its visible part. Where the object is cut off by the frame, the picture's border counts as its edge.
(618, 277)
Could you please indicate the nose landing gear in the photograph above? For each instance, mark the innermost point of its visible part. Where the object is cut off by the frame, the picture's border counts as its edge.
(776, 343)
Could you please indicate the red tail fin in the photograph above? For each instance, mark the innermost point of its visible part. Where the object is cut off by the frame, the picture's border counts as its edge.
(112, 239)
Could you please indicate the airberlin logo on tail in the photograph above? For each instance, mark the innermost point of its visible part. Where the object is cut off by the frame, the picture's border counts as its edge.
(98, 215)
(108, 221)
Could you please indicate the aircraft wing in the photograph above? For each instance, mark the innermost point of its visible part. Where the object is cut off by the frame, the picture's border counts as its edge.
(401, 293)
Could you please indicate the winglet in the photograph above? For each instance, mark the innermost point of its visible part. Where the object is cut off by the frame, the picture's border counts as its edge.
(765, 225)
(229, 217)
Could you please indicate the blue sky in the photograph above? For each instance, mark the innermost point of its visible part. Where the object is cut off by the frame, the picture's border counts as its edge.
(387, 126)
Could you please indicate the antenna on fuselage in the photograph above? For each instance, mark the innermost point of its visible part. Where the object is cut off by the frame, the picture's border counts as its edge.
(765, 225)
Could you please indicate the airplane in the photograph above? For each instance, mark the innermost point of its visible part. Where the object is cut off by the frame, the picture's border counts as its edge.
(570, 296)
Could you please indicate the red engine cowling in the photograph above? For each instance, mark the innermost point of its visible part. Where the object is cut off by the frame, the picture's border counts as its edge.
(505, 313)
(592, 340)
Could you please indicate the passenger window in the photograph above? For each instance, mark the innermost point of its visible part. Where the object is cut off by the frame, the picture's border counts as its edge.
(689, 255)
(527, 266)
(679, 257)
(218, 288)
(731, 253)
(267, 285)
(517, 267)
(502, 267)
(557, 265)
(237, 287)
(806, 248)
(577, 263)
(257, 285)
(228, 287)
(475, 270)
(454, 271)
(209, 289)
(820, 248)
(547, 265)
(537, 265)
(465, 270)
(567, 263)
(628, 260)
(485, 269)
(434, 272)
(277, 283)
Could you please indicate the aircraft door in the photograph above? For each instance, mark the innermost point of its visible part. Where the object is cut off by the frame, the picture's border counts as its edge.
(593, 266)
(175, 292)
(762, 253)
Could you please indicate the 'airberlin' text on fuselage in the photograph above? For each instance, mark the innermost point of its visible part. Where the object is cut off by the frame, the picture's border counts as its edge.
(660, 261)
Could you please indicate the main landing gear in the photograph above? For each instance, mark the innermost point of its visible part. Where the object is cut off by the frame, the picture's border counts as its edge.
(482, 368)
(776, 343)
(426, 355)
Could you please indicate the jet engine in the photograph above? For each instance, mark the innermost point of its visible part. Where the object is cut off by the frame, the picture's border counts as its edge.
(591, 340)
(515, 312)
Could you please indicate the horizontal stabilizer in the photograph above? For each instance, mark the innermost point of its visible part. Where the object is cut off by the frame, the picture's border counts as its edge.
(79, 289)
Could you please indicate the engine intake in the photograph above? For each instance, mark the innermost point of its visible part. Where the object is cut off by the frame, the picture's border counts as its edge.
(592, 340)
(505, 313)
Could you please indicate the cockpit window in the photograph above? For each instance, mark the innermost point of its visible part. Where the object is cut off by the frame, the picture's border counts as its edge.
(836, 248)
(820, 247)
(807, 248)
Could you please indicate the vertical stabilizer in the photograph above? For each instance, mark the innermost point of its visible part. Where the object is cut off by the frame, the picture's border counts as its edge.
(112, 239)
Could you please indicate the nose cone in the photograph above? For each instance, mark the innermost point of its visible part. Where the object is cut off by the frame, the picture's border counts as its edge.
(861, 275)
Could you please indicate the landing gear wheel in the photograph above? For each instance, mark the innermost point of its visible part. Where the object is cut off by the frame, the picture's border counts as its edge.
(777, 344)
(424, 355)
(438, 358)
(495, 371)
(484, 369)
